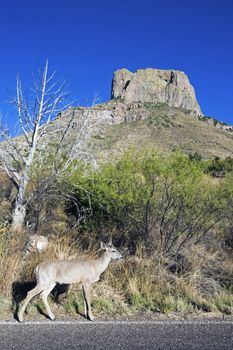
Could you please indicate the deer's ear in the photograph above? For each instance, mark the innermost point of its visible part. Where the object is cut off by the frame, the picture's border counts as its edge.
(102, 245)
(110, 241)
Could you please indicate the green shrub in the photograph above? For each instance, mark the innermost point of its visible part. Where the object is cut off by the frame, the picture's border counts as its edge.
(164, 201)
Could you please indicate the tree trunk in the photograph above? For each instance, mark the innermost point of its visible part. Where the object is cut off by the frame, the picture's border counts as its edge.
(18, 217)
(19, 212)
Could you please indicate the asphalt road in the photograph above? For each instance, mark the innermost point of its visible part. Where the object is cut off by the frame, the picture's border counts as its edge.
(116, 335)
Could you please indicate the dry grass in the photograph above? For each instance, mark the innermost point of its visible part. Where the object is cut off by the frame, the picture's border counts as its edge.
(136, 285)
(11, 255)
(145, 285)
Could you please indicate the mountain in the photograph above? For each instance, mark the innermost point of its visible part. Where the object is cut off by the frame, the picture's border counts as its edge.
(155, 109)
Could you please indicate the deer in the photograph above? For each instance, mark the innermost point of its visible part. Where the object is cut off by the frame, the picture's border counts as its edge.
(83, 271)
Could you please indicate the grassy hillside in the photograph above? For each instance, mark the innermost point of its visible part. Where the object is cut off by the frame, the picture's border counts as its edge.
(167, 129)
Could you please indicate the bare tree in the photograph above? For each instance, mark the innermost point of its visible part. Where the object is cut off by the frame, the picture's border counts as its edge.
(35, 115)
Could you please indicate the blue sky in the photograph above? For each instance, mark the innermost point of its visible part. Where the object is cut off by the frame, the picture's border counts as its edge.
(85, 41)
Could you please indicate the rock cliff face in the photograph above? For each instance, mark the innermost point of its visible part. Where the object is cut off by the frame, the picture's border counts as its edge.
(157, 86)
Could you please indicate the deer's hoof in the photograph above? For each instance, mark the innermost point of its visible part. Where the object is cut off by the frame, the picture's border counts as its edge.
(20, 318)
(90, 317)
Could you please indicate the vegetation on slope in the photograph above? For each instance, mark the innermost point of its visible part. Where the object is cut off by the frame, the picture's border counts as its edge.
(166, 129)
(167, 213)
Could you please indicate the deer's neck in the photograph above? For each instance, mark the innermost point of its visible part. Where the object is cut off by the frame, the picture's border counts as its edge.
(103, 262)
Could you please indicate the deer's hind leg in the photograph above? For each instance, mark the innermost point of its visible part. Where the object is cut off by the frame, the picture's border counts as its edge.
(32, 293)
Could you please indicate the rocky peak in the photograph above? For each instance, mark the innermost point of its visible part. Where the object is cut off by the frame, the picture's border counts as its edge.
(171, 87)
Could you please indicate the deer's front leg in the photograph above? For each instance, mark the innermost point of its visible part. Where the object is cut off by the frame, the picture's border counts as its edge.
(87, 302)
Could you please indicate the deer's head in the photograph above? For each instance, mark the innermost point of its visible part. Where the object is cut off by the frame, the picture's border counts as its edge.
(113, 253)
